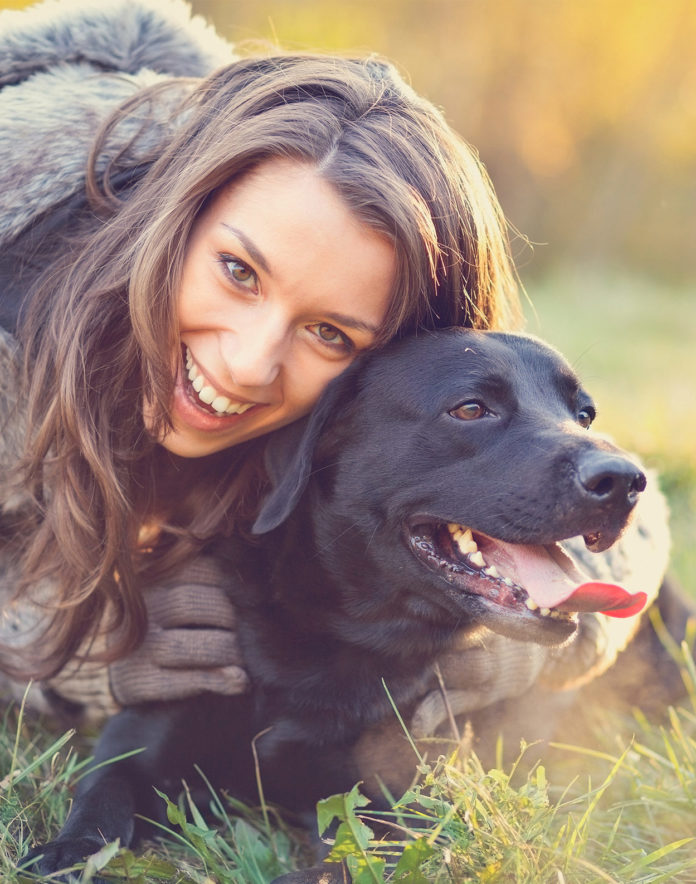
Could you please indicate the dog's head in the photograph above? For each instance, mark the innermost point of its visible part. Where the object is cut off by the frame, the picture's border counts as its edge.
(445, 469)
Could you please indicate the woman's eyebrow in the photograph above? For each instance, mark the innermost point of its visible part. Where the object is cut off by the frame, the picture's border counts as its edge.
(352, 322)
(252, 250)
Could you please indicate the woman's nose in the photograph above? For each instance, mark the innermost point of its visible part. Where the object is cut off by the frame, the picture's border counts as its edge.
(253, 357)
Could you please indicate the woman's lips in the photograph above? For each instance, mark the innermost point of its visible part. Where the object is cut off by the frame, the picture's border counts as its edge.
(191, 405)
(205, 394)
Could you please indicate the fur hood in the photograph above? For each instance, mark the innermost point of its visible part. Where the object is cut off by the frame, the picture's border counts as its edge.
(64, 66)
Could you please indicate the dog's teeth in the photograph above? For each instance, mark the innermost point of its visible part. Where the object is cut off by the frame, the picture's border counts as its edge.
(508, 582)
(531, 604)
(463, 537)
(457, 532)
(544, 611)
(477, 559)
(492, 571)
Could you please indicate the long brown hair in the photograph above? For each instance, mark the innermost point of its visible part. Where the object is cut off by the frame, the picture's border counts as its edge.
(101, 328)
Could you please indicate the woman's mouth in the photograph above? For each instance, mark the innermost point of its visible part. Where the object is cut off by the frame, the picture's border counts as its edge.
(204, 395)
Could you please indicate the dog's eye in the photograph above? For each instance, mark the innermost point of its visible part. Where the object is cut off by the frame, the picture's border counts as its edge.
(586, 415)
(470, 411)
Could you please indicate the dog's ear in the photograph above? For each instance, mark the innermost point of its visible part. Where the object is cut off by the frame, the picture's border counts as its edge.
(290, 452)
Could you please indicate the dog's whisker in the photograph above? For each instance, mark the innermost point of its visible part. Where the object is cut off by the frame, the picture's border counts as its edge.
(371, 537)
(322, 549)
(315, 471)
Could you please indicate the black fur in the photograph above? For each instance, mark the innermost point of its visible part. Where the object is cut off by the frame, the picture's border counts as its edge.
(336, 599)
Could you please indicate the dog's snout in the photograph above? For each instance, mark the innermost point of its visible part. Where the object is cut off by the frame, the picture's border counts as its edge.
(610, 477)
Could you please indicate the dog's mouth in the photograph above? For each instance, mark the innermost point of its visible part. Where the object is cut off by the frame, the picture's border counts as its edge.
(541, 581)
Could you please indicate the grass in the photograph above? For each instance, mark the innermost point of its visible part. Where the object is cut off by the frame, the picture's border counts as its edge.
(624, 811)
(233, 845)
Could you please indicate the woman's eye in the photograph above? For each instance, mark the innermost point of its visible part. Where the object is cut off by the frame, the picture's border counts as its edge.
(586, 415)
(239, 272)
(328, 334)
(470, 411)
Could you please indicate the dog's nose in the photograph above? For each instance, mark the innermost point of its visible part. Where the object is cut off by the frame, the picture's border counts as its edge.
(610, 477)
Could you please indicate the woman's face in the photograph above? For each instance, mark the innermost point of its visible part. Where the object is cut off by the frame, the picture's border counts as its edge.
(282, 287)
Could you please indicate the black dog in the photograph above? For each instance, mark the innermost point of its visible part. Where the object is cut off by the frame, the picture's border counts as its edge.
(423, 498)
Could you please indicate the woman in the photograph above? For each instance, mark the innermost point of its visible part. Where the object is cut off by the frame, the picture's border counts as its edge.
(242, 238)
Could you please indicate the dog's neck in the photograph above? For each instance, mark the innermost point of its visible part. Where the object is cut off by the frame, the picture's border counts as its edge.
(312, 611)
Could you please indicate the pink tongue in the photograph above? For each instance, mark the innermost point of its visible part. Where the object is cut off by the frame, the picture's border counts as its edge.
(552, 580)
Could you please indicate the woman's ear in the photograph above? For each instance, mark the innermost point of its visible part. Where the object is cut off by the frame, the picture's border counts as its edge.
(290, 452)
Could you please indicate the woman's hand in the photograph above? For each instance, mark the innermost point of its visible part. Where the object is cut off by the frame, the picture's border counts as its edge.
(191, 643)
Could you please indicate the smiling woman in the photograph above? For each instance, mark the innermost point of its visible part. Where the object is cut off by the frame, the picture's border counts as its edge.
(272, 305)
(186, 264)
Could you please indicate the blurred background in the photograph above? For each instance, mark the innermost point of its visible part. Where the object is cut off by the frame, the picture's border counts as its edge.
(584, 113)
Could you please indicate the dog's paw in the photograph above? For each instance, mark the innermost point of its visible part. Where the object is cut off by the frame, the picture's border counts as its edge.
(325, 873)
(61, 854)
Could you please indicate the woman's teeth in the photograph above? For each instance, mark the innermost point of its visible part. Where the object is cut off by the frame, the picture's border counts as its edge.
(208, 395)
